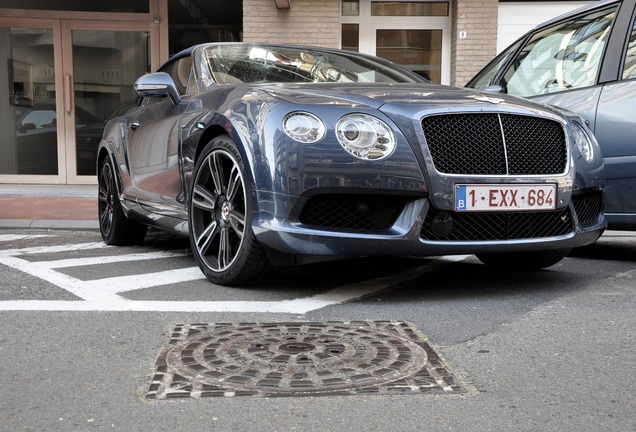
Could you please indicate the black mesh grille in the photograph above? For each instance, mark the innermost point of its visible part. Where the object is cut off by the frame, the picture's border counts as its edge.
(588, 206)
(500, 226)
(355, 212)
(495, 144)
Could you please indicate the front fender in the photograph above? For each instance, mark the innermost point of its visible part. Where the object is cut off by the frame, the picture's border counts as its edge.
(113, 146)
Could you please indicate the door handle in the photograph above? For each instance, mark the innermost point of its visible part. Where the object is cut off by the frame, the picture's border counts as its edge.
(68, 95)
(134, 125)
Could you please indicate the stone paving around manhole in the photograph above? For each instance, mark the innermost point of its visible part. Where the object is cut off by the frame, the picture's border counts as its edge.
(298, 359)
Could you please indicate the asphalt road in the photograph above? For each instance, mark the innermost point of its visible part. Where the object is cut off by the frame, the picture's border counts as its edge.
(82, 327)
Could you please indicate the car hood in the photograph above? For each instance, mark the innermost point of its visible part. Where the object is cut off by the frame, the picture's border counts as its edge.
(401, 97)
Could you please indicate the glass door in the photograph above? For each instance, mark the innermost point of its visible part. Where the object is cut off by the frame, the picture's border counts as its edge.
(62, 80)
(99, 73)
(412, 33)
(419, 50)
(29, 134)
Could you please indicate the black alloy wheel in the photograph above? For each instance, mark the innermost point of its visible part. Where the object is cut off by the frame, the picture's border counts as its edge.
(115, 227)
(220, 215)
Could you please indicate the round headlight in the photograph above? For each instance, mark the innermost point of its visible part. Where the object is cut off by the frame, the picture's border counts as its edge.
(304, 127)
(584, 142)
(365, 137)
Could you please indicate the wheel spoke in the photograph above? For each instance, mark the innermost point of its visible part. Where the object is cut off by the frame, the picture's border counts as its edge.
(216, 171)
(203, 199)
(204, 240)
(102, 196)
(234, 184)
(105, 219)
(225, 250)
(104, 184)
(237, 221)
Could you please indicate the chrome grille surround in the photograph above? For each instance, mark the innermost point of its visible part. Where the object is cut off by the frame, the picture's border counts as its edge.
(495, 144)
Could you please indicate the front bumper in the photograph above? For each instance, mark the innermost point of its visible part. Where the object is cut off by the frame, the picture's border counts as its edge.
(420, 230)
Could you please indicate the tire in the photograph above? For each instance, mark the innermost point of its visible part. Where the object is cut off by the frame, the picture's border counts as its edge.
(220, 213)
(516, 261)
(115, 227)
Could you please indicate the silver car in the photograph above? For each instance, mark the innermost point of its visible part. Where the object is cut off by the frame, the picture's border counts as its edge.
(272, 155)
(583, 61)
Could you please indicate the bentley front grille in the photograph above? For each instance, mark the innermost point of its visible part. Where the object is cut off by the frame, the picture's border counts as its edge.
(496, 226)
(354, 212)
(495, 144)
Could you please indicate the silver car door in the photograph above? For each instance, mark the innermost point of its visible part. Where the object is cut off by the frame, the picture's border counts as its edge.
(153, 154)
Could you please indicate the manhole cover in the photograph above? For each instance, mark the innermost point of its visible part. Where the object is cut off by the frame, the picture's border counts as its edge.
(298, 359)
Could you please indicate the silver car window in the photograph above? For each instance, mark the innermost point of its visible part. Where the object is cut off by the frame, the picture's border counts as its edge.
(563, 57)
(629, 70)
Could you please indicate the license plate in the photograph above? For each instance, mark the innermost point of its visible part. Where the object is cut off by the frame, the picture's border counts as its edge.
(493, 197)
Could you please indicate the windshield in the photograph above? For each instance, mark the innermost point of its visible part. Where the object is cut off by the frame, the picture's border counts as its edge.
(487, 74)
(270, 64)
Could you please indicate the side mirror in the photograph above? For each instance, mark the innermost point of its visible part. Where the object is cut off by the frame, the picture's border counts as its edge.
(158, 84)
(27, 127)
(495, 88)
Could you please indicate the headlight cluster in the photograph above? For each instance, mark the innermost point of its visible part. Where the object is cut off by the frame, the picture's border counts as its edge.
(364, 136)
(304, 127)
(584, 141)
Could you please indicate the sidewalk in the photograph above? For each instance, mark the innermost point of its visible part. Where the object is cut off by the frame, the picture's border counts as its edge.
(48, 206)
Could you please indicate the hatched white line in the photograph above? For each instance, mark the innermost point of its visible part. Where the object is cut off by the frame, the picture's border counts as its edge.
(53, 249)
(73, 285)
(120, 284)
(295, 306)
(76, 262)
(13, 237)
(100, 295)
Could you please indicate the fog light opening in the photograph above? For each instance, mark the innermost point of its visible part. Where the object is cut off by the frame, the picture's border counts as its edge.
(362, 207)
(442, 225)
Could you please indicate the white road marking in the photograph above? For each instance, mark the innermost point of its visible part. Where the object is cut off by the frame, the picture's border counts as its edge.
(14, 237)
(53, 249)
(102, 294)
(77, 262)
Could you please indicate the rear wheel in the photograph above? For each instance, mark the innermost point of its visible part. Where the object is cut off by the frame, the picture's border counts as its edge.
(220, 218)
(115, 227)
(523, 260)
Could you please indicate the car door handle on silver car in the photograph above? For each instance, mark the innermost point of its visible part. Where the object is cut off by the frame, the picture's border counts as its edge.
(134, 125)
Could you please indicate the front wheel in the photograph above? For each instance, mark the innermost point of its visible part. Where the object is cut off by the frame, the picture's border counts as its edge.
(516, 261)
(220, 218)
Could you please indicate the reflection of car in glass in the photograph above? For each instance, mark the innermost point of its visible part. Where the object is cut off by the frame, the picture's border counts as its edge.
(274, 155)
(583, 61)
(36, 134)
(89, 136)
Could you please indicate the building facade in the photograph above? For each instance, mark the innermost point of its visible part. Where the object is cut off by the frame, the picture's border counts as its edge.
(71, 64)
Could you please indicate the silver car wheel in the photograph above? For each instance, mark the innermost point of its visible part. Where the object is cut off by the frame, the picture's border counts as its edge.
(218, 210)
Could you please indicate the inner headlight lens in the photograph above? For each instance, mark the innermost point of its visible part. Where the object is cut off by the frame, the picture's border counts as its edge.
(365, 137)
(304, 127)
(584, 142)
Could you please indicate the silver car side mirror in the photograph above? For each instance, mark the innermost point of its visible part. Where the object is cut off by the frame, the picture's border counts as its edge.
(158, 84)
(495, 88)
